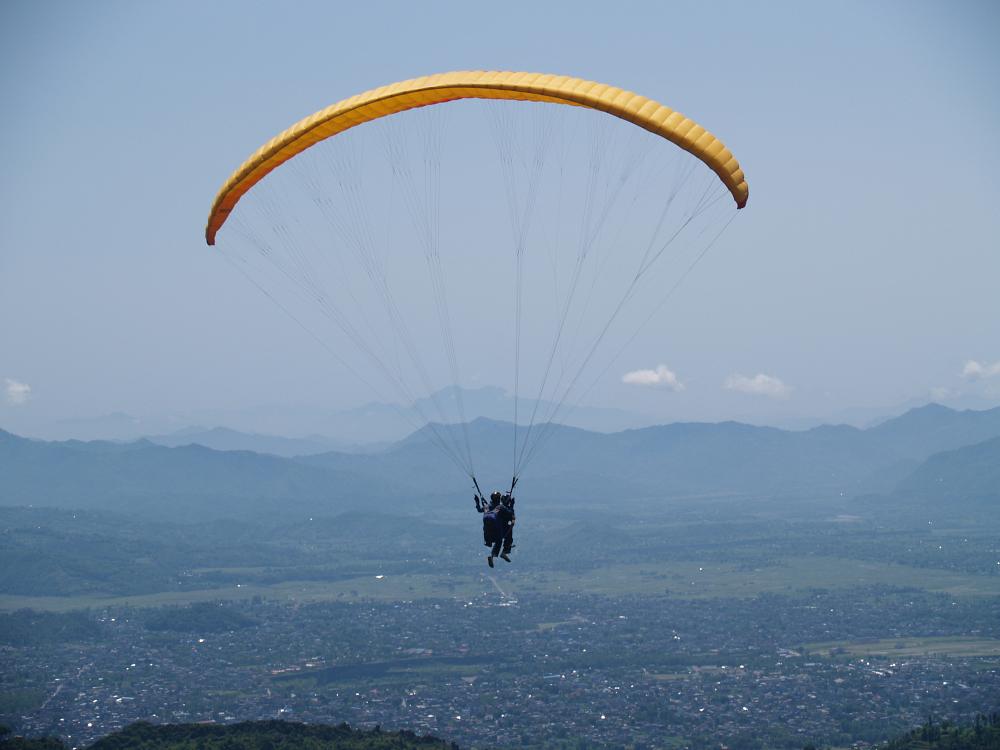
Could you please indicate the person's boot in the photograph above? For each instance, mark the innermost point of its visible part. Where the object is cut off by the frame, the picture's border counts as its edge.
(503, 556)
(489, 560)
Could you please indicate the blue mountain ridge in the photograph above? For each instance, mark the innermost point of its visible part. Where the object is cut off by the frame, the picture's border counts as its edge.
(681, 459)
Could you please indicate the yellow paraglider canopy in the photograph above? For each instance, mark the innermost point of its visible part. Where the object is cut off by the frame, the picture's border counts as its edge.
(445, 87)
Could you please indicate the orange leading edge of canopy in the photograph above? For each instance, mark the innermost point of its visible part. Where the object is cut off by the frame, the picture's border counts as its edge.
(444, 87)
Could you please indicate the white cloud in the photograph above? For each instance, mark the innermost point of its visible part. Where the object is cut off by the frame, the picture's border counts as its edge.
(16, 392)
(974, 370)
(760, 385)
(662, 377)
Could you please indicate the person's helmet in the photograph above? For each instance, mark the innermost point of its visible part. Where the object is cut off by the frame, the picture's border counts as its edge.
(495, 496)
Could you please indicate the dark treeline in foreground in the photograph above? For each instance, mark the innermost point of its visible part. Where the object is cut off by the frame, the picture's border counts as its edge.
(983, 734)
(247, 735)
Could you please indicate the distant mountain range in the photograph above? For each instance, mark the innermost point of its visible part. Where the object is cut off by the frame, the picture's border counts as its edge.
(691, 458)
(183, 483)
(225, 439)
(331, 429)
(922, 452)
(969, 475)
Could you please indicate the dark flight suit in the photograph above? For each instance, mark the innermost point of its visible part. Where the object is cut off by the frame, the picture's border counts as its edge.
(505, 531)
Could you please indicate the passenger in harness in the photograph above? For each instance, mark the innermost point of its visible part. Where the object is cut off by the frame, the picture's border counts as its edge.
(489, 511)
(505, 519)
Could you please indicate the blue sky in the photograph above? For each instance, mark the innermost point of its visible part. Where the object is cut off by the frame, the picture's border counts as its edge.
(863, 273)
